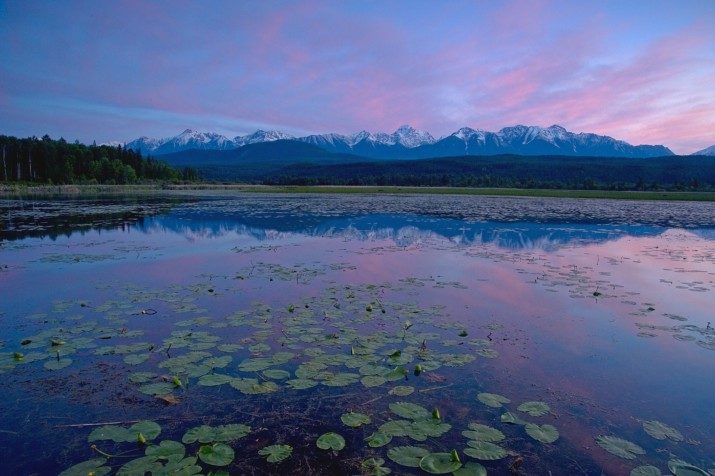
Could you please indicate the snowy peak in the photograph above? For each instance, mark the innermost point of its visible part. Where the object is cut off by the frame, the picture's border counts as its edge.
(710, 151)
(260, 136)
(411, 137)
(408, 142)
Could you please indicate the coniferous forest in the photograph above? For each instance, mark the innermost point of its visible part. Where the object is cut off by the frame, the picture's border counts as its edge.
(59, 162)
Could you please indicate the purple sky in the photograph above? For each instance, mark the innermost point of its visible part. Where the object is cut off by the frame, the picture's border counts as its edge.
(641, 71)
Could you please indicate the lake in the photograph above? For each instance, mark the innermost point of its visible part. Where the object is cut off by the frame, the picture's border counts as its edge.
(367, 334)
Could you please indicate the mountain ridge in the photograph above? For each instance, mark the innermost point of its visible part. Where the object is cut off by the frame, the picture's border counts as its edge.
(410, 143)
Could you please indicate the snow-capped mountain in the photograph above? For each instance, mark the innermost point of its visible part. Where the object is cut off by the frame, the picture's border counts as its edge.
(260, 136)
(707, 151)
(409, 143)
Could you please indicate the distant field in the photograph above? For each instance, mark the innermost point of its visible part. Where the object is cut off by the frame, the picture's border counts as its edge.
(79, 190)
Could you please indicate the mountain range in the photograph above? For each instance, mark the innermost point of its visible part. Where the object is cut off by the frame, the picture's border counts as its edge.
(410, 143)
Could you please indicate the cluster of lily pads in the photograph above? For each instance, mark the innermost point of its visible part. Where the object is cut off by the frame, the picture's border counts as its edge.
(347, 336)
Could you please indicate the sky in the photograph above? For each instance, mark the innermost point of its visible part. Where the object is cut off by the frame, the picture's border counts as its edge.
(640, 71)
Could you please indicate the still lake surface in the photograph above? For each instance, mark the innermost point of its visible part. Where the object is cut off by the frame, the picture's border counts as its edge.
(281, 314)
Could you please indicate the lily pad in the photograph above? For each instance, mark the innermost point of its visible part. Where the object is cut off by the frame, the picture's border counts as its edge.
(646, 471)
(471, 469)
(484, 450)
(148, 429)
(355, 419)
(92, 466)
(440, 463)
(681, 468)
(374, 467)
(276, 453)
(410, 410)
(401, 390)
(56, 364)
(493, 400)
(212, 380)
(511, 419)
(534, 409)
(217, 454)
(542, 433)
(407, 455)
(276, 374)
(331, 441)
(167, 449)
(619, 447)
(661, 431)
(480, 432)
(378, 439)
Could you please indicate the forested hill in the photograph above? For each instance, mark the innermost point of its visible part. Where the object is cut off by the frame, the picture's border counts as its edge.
(57, 161)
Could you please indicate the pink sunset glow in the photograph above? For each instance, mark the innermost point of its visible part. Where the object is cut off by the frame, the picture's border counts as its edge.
(124, 69)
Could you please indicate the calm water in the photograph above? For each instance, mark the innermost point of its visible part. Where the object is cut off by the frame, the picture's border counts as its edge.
(601, 310)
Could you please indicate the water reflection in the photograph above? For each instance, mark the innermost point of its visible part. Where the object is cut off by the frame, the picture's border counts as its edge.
(403, 231)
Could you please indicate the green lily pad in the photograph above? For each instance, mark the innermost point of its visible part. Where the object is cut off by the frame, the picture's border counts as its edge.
(373, 380)
(646, 471)
(135, 359)
(143, 465)
(511, 419)
(619, 447)
(331, 441)
(158, 388)
(217, 454)
(301, 383)
(167, 449)
(396, 427)
(374, 467)
(410, 410)
(401, 390)
(92, 466)
(433, 428)
(493, 400)
(355, 419)
(276, 374)
(276, 453)
(484, 450)
(440, 463)
(378, 439)
(56, 364)
(212, 380)
(681, 468)
(407, 455)
(222, 433)
(471, 469)
(542, 433)
(148, 429)
(480, 432)
(661, 431)
(534, 409)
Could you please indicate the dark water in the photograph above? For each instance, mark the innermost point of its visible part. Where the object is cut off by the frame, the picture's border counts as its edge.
(602, 310)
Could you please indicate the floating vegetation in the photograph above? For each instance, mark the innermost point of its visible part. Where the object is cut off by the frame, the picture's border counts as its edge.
(645, 470)
(148, 430)
(402, 390)
(492, 399)
(217, 454)
(374, 467)
(485, 450)
(542, 433)
(661, 431)
(440, 463)
(211, 434)
(276, 453)
(480, 432)
(682, 468)
(471, 469)
(330, 441)
(94, 466)
(535, 409)
(355, 419)
(407, 455)
(619, 447)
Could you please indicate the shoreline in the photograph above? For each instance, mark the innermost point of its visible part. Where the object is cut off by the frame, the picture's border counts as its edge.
(22, 191)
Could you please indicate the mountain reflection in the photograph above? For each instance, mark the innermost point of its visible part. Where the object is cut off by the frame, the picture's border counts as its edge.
(400, 229)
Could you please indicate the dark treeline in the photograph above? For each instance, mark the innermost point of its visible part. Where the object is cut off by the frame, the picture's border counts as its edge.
(59, 162)
(552, 172)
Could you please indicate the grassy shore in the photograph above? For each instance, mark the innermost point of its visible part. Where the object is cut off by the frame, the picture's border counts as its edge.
(171, 189)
